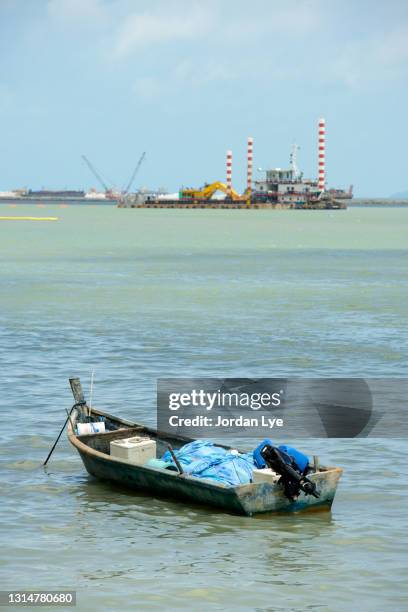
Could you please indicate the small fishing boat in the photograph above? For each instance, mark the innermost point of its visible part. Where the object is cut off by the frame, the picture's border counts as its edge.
(245, 499)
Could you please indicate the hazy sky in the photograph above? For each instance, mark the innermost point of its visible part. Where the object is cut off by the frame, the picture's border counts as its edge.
(185, 81)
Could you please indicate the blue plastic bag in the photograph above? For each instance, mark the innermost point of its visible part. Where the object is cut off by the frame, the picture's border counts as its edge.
(258, 459)
(300, 459)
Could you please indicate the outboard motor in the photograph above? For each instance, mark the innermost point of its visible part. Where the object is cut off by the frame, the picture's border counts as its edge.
(292, 479)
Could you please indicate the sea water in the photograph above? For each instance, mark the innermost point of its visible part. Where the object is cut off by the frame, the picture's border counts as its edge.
(137, 294)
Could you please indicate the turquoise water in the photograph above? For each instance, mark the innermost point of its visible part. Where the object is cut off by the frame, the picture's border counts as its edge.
(138, 294)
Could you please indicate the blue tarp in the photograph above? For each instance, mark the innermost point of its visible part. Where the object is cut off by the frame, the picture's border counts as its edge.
(230, 469)
(203, 459)
(195, 453)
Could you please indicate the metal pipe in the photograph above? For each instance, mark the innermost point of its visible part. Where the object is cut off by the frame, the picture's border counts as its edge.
(249, 164)
(321, 155)
(229, 172)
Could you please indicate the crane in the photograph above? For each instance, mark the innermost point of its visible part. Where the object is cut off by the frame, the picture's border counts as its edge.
(95, 173)
(293, 161)
(135, 171)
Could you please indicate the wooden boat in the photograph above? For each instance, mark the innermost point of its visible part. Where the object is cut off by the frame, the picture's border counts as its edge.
(248, 499)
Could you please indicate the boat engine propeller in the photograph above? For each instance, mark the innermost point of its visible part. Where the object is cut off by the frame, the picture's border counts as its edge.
(291, 478)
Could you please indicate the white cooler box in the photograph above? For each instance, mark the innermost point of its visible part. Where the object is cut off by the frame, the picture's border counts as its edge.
(137, 450)
(265, 475)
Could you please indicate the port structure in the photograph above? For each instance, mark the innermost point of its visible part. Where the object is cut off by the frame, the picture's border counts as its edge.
(135, 171)
(96, 174)
(280, 188)
(110, 191)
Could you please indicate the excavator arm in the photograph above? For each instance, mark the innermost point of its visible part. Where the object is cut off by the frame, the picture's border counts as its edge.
(208, 191)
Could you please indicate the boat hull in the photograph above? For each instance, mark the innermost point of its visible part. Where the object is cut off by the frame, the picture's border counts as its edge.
(247, 499)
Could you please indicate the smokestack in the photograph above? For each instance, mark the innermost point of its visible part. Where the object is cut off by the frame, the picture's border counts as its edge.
(229, 172)
(322, 152)
(249, 163)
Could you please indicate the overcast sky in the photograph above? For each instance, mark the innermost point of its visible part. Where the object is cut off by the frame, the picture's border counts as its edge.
(185, 81)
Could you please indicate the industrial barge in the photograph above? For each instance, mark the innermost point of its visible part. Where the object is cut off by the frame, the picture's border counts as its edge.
(278, 189)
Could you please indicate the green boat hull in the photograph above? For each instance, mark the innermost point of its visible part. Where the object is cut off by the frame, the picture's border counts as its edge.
(246, 499)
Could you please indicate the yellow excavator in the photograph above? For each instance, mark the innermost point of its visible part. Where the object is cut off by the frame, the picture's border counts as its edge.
(206, 192)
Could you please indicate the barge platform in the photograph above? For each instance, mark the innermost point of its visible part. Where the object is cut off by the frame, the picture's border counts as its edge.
(216, 205)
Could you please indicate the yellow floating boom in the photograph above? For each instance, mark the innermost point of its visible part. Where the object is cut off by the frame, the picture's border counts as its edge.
(28, 218)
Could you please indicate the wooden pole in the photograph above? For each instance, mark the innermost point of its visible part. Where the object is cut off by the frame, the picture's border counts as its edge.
(58, 437)
(79, 402)
(176, 461)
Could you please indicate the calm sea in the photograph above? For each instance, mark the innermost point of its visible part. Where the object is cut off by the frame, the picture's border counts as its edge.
(138, 294)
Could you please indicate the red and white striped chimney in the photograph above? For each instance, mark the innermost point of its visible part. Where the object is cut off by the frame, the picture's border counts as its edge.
(229, 171)
(249, 163)
(322, 152)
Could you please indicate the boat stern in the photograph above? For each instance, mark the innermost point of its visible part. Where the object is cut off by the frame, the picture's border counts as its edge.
(264, 497)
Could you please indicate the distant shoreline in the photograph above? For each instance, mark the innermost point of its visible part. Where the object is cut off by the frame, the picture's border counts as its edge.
(377, 202)
(15, 202)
